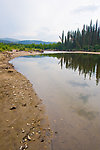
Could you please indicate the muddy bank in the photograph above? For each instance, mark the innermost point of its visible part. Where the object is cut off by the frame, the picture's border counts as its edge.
(23, 123)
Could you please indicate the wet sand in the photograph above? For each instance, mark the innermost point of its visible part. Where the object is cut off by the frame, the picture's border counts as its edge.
(23, 121)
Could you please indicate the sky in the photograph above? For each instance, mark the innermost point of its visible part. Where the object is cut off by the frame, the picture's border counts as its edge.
(45, 19)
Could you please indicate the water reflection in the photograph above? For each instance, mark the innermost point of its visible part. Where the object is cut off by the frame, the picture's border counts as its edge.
(90, 115)
(75, 84)
(72, 103)
(84, 98)
(85, 64)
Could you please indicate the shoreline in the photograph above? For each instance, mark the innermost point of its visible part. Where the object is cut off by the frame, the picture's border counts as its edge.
(73, 52)
(84, 52)
(24, 124)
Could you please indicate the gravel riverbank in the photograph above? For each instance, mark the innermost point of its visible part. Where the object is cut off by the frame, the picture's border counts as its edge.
(23, 121)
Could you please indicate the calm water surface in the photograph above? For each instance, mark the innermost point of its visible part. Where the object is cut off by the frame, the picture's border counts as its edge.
(69, 86)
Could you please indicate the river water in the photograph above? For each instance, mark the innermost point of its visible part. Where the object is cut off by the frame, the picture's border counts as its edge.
(70, 89)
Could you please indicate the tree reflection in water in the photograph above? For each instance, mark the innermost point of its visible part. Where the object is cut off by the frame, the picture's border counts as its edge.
(86, 64)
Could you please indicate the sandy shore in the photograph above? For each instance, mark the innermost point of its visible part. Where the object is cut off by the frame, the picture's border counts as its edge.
(23, 123)
(83, 52)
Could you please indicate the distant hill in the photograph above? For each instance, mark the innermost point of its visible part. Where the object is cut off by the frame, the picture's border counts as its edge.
(4, 41)
(10, 40)
(33, 42)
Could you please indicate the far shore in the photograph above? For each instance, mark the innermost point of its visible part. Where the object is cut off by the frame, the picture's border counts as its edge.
(84, 52)
(76, 52)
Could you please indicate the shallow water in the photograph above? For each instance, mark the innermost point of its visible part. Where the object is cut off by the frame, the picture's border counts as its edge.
(70, 89)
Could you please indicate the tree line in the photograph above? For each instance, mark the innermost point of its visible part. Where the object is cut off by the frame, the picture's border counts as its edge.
(30, 47)
(86, 39)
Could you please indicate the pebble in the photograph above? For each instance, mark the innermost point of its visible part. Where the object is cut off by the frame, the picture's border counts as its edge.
(12, 108)
(26, 146)
(29, 138)
(56, 132)
(39, 132)
(33, 133)
(25, 140)
(24, 104)
(42, 140)
(33, 139)
(10, 70)
(40, 109)
(28, 124)
(21, 148)
(23, 131)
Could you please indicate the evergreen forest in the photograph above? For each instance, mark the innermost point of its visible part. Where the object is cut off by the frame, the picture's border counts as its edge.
(88, 39)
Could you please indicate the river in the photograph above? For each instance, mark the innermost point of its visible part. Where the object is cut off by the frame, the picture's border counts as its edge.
(70, 89)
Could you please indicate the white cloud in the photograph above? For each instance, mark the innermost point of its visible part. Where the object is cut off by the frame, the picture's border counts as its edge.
(44, 19)
(86, 8)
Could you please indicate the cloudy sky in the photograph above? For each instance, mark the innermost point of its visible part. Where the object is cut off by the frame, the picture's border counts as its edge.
(45, 19)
